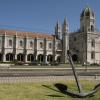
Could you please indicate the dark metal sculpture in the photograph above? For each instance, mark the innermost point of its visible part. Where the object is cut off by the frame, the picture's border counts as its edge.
(81, 94)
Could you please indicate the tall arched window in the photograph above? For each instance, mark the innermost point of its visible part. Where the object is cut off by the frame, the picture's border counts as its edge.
(31, 44)
(59, 46)
(41, 44)
(10, 43)
(9, 57)
(21, 43)
(92, 55)
(92, 28)
(93, 43)
(30, 57)
(50, 45)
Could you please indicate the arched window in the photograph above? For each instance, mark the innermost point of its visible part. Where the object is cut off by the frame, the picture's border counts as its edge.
(10, 43)
(30, 57)
(21, 43)
(93, 43)
(87, 13)
(50, 58)
(20, 57)
(59, 46)
(59, 59)
(9, 57)
(41, 45)
(50, 45)
(40, 58)
(92, 28)
(1, 57)
(31, 44)
(92, 55)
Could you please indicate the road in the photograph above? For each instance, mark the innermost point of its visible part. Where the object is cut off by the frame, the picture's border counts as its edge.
(19, 72)
(19, 75)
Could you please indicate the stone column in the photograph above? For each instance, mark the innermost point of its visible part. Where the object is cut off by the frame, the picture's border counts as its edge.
(35, 49)
(45, 61)
(54, 50)
(25, 49)
(15, 47)
(3, 47)
(4, 58)
(25, 58)
(15, 56)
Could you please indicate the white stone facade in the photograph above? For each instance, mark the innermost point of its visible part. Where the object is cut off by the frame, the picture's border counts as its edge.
(29, 49)
(85, 43)
(44, 48)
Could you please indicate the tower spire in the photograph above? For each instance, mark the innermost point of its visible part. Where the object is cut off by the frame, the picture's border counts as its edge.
(65, 40)
(58, 30)
(65, 26)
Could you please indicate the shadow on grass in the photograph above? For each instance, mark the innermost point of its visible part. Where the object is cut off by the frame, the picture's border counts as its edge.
(63, 89)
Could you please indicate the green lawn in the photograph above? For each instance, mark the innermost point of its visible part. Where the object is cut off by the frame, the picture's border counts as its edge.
(41, 91)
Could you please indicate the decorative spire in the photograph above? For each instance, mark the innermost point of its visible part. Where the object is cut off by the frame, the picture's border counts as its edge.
(65, 21)
(58, 29)
(87, 5)
(58, 26)
(65, 26)
(58, 23)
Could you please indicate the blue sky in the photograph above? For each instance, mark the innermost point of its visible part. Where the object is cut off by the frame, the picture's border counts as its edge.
(42, 15)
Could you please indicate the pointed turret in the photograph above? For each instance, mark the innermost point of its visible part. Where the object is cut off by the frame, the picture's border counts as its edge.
(58, 30)
(65, 26)
(65, 40)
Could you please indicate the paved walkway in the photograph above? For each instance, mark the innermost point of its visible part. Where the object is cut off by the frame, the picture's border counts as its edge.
(45, 79)
(59, 68)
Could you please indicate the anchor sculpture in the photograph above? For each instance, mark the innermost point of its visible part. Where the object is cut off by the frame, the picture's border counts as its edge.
(81, 94)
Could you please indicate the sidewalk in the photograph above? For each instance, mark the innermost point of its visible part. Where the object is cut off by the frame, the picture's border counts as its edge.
(69, 68)
(45, 79)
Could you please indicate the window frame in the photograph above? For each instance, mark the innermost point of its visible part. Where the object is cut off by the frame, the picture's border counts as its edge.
(10, 42)
(31, 44)
(92, 55)
(93, 43)
(21, 43)
(50, 45)
(41, 45)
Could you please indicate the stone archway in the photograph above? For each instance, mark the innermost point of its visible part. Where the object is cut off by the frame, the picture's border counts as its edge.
(75, 57)
(50, 58)
(0, 57)
(20, 57)
(9, 57)
(30, 57)
(40, 58)
(59, 59)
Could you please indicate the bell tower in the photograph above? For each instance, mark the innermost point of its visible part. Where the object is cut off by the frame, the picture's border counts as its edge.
(87, 20)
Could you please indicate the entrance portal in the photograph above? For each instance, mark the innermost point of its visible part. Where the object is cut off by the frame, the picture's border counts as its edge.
(74, 57)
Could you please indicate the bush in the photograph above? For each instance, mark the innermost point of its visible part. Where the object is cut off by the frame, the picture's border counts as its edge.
(19, 63)
(95, 64)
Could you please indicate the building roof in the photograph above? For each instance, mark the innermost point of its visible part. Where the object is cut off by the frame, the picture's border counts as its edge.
(87, 12)
(26, 34)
